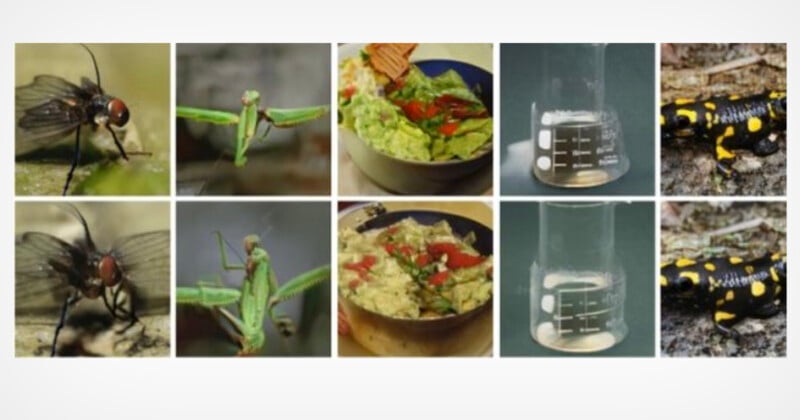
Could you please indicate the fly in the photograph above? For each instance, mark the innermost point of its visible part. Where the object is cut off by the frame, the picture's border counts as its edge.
(134, 266)
(51, 108)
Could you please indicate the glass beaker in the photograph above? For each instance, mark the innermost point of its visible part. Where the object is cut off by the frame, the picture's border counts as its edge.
(577, 286)
(577, 138)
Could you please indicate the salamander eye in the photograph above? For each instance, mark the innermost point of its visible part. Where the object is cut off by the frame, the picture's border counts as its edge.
(683, 284)
(682, 121)
(117, 112)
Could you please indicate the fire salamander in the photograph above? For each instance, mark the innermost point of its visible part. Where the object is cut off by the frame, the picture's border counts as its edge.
(730, 122)
(730, 288)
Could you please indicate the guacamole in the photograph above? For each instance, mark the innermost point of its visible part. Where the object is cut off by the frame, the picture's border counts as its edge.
(412, 271)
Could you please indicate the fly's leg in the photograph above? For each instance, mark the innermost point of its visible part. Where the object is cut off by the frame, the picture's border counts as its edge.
(116, 141)
(119, 312)
(71, 300)
(76, 157)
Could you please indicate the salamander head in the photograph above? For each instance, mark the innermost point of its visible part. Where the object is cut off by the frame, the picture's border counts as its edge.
(684, 283)
(677, 122)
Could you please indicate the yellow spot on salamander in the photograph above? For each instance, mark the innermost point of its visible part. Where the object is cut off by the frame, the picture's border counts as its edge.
(684, 101)
(775, 256)
(710, 266)
(757, 288)
(716, 118)
(710, 105)
(753, 124)
(664, 264)
(729, 296)
(774, 274)
(691, 275)
(688, 113)
(723, 316)
(722, 152)
(777, 290)
(720, 302)
(728, 131)
(775, 94)
(662, 120)
(749, 269)
(683, 262)
(734, 97)
(663, 281)
(709, 124)
(735, 260)
(772, 113)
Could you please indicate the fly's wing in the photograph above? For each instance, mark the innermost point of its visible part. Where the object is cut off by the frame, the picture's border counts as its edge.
(46, 111)
(46, 267)
(144, 261)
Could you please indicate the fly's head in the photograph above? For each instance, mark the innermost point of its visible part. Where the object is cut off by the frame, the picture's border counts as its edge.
(108, 271)
(109, 110)
(117, 111)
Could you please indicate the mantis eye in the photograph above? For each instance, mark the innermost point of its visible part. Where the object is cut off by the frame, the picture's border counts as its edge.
(117, 112)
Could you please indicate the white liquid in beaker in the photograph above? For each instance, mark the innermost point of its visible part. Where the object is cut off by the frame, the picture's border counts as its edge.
(578, 311)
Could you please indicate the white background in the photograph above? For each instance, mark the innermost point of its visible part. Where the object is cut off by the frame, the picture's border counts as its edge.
(402, 388)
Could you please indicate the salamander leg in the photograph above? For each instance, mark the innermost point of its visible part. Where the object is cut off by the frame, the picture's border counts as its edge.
(765, 146)
(766, 311)
(723, 323)
(725, 168)
(727, 331)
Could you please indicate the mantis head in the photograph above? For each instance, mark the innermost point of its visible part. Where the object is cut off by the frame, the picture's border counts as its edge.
(250, 97)
(251, 242)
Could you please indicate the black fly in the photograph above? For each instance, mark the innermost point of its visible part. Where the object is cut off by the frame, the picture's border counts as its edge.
(51, 108)
(133, 267)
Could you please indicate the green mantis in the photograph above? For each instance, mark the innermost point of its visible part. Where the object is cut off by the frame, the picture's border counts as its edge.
(248, 119)
(257, 298)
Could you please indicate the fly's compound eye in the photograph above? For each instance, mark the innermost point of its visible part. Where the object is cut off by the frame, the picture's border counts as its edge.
(118, 112)
(107, 271)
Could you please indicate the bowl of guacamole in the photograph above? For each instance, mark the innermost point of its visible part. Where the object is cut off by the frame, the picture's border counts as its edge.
(419, 134)
(412, 282)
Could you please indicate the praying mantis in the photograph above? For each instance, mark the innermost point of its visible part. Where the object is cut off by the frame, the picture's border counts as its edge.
(248, 119)
(257, 298)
